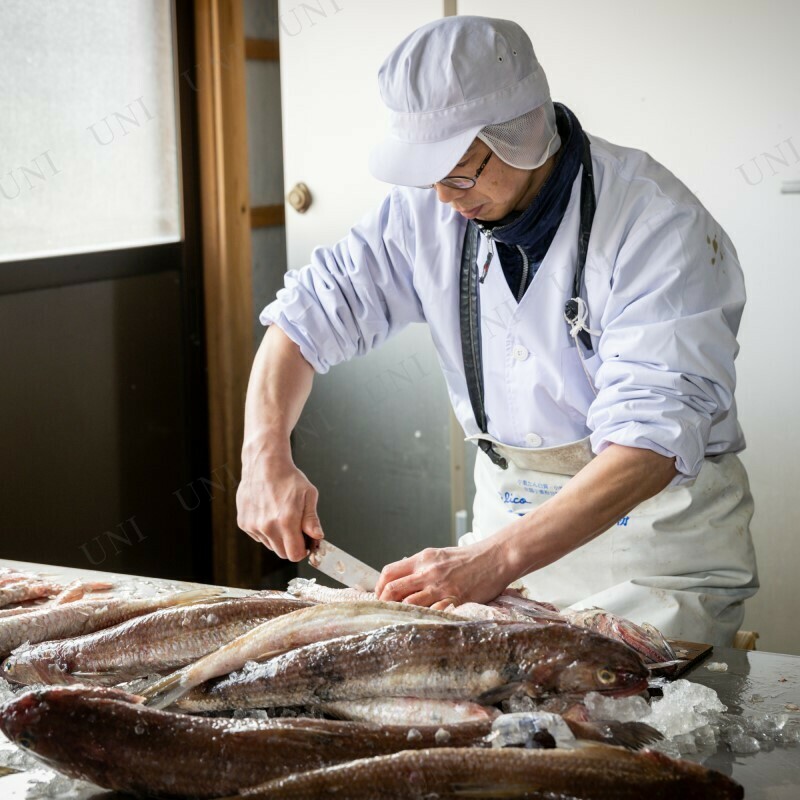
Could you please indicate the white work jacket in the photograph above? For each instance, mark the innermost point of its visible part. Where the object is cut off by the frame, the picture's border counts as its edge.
(664, 292)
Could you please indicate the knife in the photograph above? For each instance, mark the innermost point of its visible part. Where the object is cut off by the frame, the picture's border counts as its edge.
(335, 563)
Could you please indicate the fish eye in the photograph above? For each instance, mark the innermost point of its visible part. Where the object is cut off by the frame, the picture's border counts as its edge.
(25, 740)
(606, 676)
(7, 665)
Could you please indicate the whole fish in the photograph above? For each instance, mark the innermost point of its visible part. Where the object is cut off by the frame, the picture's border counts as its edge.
(597, 772)
(104, 736)
(482, 661)
(645, 639)
(85, 616)
(151, 643)
(311, 624)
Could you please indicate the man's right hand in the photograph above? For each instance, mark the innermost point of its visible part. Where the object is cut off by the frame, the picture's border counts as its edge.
(276, 505)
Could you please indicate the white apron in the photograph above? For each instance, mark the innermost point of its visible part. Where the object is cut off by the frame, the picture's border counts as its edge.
(682, 560)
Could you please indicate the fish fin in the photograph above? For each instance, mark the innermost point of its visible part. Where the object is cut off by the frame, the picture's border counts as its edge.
(631, 735)
(491, 791)
(193, 596)
(86, 675)
(499, 693)
(267, 654)
(165, 692)
(8, 771)
(109, 678)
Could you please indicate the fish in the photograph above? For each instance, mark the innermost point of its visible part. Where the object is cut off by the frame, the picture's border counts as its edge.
(152, 643)
(19, 591)
(409, 711)
(480, 661)
(647, 640)
(596, 772)
(85, 616)
(70, 593)
(302, 627)
(105, 736)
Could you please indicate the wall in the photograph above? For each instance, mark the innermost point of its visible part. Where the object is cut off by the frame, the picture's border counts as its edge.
(265, 151)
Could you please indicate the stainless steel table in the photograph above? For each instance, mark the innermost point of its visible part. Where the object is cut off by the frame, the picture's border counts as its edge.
(755, 683)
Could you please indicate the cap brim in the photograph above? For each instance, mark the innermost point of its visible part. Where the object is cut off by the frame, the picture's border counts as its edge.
(418, 163)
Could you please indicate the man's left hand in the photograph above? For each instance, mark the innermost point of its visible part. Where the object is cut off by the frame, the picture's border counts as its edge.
(437, 577)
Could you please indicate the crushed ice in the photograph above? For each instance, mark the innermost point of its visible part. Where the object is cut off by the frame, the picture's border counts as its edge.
(525, 729)
(692, 719)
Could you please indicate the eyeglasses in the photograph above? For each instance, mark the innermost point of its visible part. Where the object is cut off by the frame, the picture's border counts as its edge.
(459, 181)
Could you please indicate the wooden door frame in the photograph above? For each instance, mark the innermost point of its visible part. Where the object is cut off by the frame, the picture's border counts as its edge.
(219, 78)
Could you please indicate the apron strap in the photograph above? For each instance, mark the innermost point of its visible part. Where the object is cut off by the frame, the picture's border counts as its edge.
(588, 205)
(470, 319)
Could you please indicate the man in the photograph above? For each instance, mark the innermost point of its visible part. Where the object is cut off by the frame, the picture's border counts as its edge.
(603, 406)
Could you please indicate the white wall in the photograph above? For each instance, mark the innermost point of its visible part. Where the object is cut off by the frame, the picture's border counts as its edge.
(708, 89)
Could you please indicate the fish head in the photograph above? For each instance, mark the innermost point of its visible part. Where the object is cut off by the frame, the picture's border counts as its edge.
(42, 721)
(28, 665)
(605, 666)
(19, 719)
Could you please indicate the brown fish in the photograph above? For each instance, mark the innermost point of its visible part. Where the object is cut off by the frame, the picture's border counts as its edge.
(157, 642)
(104, 736)
(482, 661)
(313, 623)
(597, 772)
(85, 616)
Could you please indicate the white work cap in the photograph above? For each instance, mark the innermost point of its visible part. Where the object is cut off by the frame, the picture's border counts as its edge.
(443, 84)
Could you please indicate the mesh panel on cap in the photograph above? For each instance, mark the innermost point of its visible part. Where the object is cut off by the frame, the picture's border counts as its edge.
(525, 142)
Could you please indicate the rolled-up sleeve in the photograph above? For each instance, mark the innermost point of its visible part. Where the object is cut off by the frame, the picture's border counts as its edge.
(668, 339)
(354, 295)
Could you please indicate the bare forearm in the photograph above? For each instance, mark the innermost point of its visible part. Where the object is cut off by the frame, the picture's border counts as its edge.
(595, 499)
(280, 383)
(276, 503)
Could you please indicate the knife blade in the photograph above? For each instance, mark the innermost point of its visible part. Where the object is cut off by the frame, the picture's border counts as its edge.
(341, 566)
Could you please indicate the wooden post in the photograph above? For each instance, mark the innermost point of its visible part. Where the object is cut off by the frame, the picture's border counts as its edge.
(220, 83)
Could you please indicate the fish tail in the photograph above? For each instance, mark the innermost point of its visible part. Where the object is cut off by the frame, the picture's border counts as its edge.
(168, 690)
(631, 735)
